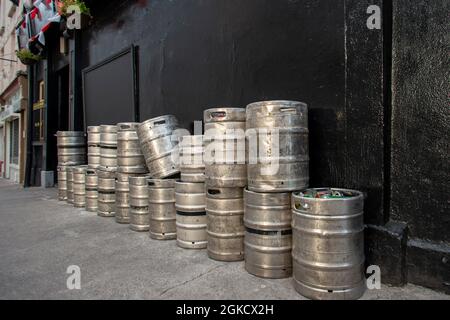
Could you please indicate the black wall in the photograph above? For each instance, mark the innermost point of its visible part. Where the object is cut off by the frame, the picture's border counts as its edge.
(421, 130)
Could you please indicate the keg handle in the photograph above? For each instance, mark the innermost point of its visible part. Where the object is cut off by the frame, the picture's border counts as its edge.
(218, 114)
(151, 183)
(159, 123)
(125, 126)
(288, 109)
(304, 206)
(213, 191)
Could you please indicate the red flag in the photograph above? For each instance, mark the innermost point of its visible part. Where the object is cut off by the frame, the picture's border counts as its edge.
(45, 28)
(35, 12)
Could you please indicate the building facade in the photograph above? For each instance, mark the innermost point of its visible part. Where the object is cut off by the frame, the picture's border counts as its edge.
(368, 106)
(13, 97)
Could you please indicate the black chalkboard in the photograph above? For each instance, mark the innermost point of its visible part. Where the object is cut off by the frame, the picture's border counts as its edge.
(109, 90)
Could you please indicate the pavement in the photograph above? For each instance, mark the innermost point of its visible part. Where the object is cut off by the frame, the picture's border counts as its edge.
(41, 237)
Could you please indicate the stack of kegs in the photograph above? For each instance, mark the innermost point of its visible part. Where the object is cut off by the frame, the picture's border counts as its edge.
(158, 139)
(226, 178)
(106, 172)
(161, 206)
(130, 163)
(240, 191)
(71, 152)
(278, 164)
(79, 186)
(91, 190)
(139, 215)
(94, 151)
(190, 194)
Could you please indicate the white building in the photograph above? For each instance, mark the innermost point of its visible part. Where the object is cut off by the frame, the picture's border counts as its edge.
(13, 96)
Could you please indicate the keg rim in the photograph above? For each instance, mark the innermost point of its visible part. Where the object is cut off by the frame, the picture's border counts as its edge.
(239, 115)
(161, 183)
(248, 191)
(141, 178)
(356, 194)
(169, 116)
(93, 129)
(80, 169)
(108, 128)
(132, 126)
(70, 134)
(276, 103)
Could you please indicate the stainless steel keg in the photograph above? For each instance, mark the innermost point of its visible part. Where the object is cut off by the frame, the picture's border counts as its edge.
(225, 224)
(91, 190)
(192, 166)
(139, 215)
(79, 186)
(161, 206)
(190, 203)
(328, 243)
(268, 236)
(62, 183)
(122, 198)
(71, 148)
(224, 141)
(278, 152)
(159, 144)
(106, 192)
(69, 171)
(108, 146)
(93, 147)
(129, 155)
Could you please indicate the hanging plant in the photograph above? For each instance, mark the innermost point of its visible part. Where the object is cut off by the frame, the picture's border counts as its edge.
(27, 57)
(63, 7)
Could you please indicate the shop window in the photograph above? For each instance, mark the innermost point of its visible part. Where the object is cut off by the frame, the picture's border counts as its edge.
(14, 142)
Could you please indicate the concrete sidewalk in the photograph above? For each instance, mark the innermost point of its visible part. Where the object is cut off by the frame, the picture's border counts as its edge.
(40, 237)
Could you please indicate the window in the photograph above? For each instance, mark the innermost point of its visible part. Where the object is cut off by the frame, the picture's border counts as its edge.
(14, 142)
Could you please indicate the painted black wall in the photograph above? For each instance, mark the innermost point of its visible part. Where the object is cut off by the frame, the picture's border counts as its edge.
(421, 130)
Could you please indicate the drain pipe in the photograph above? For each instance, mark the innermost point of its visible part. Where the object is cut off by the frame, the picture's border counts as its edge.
(29, 160)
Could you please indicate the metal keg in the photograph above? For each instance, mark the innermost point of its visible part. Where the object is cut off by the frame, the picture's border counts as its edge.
(192, 166)
(108, 146)
(139, 215)
(106, 192)
(328, 243)
(225, 165)
(129, 155)
(268, 234)
(91, 190)
(278, 151)
(69, 171)
(225, 223)
(62, 183)
(161, 207)
(122, 198)
(79, 186)
(159, 143)
(190, 203)
(71, 148)
(94, 147)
